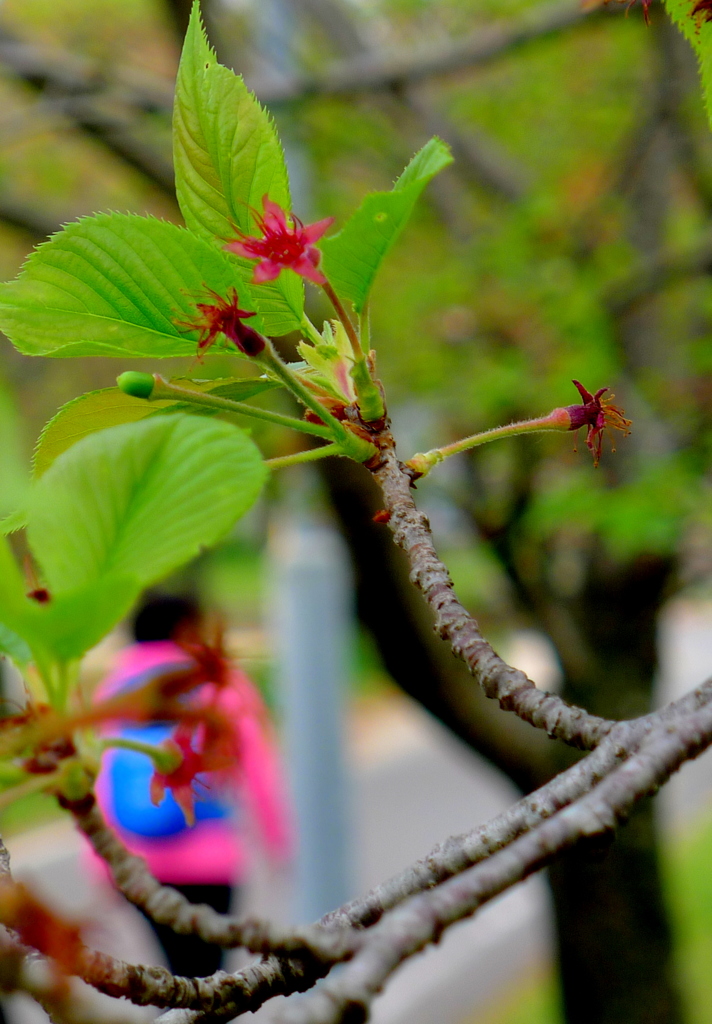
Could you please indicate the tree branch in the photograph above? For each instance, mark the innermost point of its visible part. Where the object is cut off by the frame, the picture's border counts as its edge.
(247, 990)
(37, 225)
(460, 852)
(81, 95)
(62, 73)
(417, 660)
(147, 985)
(374, 71)
(422, 919)
(271, 977)
(655, 274)
(167, 906)
(24, 970)
(509, 686)
(82, 92)
(479, 156)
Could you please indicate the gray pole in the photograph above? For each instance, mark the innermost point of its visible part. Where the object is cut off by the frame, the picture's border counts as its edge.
(312, 614)
(311, 625)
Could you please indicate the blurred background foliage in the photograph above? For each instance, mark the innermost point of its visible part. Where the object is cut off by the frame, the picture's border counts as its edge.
(489, 306)
(570, 239)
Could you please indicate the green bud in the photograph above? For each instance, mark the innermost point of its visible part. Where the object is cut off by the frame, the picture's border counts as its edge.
(76, 781)
(368, 395)
(138, 385)
(423, 462)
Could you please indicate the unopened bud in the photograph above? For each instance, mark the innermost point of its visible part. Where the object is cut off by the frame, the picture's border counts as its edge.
(423, 462)
(138, 385)
(77, 782)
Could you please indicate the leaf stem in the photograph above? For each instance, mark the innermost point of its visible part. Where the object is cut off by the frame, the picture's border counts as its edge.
(423, 462)
(345, 320)
(364, 324)
(310, 455)
(34, 784)
(163, 389)
(68, 677)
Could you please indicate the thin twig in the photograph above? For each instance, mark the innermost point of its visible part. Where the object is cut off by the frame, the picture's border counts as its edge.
(379, 71)
(659, 272)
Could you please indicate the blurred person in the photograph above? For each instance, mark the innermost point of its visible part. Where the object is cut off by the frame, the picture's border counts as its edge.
(206, 860)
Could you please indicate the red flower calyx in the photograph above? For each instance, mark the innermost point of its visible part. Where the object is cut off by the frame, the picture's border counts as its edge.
(223, 316)
(596, 414)
(212, 663)
(213, 736)
(180, 779)
(286, 242)
(702, 11)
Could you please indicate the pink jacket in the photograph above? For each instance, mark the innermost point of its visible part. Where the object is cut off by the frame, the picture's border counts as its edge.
(211, 852)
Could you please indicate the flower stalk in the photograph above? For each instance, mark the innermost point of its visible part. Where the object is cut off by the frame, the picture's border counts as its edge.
(287, 243)
(368, 395)
(310, 455)
(345, 320)
(163, 759)
(423, 462)
(596, 413)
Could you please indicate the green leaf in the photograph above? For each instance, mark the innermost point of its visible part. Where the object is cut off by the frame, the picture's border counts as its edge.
(17, 631)
(227, 156)
(14, 646)
(65, 627)
(352, 257)
(110, 407)
(12, 585)
(116, 284)
(17, 520)
(69, 624)
(85, 415)
(138, 500)
(698, 32)
(13, 466)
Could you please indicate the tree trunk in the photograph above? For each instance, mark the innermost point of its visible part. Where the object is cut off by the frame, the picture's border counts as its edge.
(613, 936)
(613, 933)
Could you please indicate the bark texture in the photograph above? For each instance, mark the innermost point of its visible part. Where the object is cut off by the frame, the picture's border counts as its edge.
(416, 659)
(619, 968)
